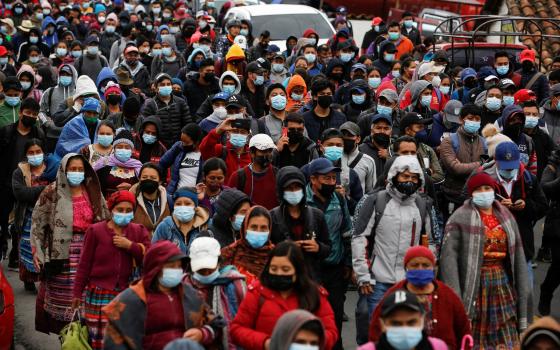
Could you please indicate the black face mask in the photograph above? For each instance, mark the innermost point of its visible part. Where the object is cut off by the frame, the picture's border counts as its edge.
(336, 76)
(28, 121)
(148, 186)
(178, 93)
(188, 31)
(327, 190)
(407, 188)
(263, 161)
(324, 101)
(382, 140)
(113, 99)
(470, 83)
(281, 282)
(513, 131)
(189, 148)
(294, 137)
(208, 77)
(527, 66)
(349, 146)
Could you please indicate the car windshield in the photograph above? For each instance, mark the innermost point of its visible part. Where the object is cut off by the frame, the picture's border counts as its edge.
(281, 27)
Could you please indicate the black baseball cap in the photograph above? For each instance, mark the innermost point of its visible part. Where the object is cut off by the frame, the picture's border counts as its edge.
(414, 118)
(400, 299)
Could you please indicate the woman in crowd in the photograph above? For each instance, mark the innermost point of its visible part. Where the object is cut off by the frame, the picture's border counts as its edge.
(151, 198)
(298, 329)
(284, 285)
(482, 259)
(250, 253)
(230, 210)
(147, 146)
(104, 146)
(111, 251)
(64, 211)
(213, 178)
(158, 308)
(187, 221)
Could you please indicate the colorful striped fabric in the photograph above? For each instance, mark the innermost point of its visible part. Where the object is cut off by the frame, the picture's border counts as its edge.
(27, 271)
(95, 298)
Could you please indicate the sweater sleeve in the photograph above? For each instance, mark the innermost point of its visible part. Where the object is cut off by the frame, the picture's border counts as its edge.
(242, 328)
(326, 315)
(23, 193)
(210, 145)
(449, 254)
(450, 161)
(86, 262)
(138, 249)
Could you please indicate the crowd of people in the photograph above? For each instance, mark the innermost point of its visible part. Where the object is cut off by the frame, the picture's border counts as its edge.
(184, 183)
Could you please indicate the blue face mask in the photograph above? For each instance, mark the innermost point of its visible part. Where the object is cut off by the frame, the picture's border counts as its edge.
(426, 100)
(384, 110)
(394, 36)
(408, 23)
(25, 85)
(166, 51)
(389, 57)
(374, 82)
(293, 198)
(93, 50)
(420, 278)
(471, 127)
(123, 219)
(65, 80)
(483, 200)
(278, 102)
(333, 153)
(244, 32)
(61, 52)
(277, 67)
(149, 139)
(508, 100)
(493, 103)
(502, 70)
(296, 97)
(259, 80)
(310, 57)
(531, 122)
(236, 224)
(35, 160)
(18, 10)
(206, 279)
(229, 89)
(346, 57)
(156, 52)
(396, 74)
(171, 277)
(76, 54)
(297, 346)
(404, 338)
(33, 39)
(238, 140)
(105, 140)
(445, 89)
(165, 91)
(358, 99)
(183, 213)
(12, 101)
(508, 174)
(123, 155)
(75, 178)
(256, 239)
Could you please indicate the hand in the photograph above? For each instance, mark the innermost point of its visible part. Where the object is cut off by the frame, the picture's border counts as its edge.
(122, 242)
(506, 202)
(224, 126)
(366, 289)
(267, 344)
(309, 245)
(137, 91)
(201, 191)
(341, 191)
(295, 107)
(124, 186)
(194, 334)
(36, 262)
(519, 205)
(282, 142)
(76, 303)
(383, 153)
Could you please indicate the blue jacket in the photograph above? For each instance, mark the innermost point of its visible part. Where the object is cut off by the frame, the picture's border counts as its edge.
(107, 73)
(438, 130)
(313, 125)
(169, 231)
(173, 158)
(74, 136)
(49, 40)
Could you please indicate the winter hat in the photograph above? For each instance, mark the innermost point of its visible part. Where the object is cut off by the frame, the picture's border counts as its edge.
(124, 136)
(112, 89)
(493, 138)
(113, 16)
(417, 252)
(84, 86)
(479, 179)
(91, 105)
(187, 193)
(120, 196)
(287, 176)
(99, 8)
(193, 131)
(131, 106)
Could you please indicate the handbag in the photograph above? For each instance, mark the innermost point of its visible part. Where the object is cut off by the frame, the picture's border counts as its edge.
(75, 336)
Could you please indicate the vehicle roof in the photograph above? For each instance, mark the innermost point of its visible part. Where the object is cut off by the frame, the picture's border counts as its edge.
(438, 12)
(278, 9)
(444, 46)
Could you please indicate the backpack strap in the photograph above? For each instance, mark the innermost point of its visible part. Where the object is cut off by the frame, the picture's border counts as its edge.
(533, 80)
(454, 142)
(422, 205)
(261, 126)
(380, 204)
(49, 100)
(241, 179)
(356, 160)
(484, 144)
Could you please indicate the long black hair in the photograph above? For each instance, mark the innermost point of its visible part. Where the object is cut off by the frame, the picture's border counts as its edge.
(306, 290)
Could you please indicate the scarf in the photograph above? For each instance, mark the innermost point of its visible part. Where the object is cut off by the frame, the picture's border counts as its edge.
(113, 161)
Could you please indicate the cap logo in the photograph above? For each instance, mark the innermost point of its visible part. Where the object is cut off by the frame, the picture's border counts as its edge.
(400, 297)
(508, 156)
(457, 110)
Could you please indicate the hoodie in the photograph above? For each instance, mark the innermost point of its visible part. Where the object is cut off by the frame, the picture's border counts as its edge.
(294, 81)
(144, 152)
(235, 53)
(50, 39)
(380, 63)
(333, 63)
(288, 327)
(351, 109)
(105, 75)
(33, 91)
(54, 96)
(226, 206)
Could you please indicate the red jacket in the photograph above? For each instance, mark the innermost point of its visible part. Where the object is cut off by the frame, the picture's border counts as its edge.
(261, 309)
(449, 320)
(211, 146)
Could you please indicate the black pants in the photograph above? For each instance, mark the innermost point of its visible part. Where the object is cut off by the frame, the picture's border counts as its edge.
(6, 206)
(552, 279)
(333, 281)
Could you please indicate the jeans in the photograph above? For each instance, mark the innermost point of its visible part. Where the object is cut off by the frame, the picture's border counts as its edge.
(364, 310)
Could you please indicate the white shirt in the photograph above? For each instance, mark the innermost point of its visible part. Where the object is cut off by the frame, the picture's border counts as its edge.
(508, 185)
(188, 171)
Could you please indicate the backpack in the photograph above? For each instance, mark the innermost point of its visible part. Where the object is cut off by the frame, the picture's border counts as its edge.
(455, 143)
(242, 177)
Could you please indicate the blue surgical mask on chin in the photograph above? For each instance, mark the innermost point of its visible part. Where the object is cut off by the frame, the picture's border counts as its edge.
(508, 174)
(171, 277)
(236, 224)
(404, 338)
(207, 279)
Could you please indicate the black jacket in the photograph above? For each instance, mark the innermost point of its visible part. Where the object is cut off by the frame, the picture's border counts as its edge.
(543, 147)
(304, 154)
(226, 207)
(8, 136)
(413, 35)
(550, 183)
(196, 94)
(256, 100)
(173, 117)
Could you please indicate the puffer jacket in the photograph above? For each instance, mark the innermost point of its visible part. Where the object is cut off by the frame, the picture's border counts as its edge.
(196, 93)
(169, 231)
(226, 207)
(173, 116)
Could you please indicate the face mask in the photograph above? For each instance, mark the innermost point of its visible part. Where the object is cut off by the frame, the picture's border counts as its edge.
(123, 155)
(420, 278)
(263, 161)
(404, 338)
(18, 10)
(513, 131)
(93, 50)
(113, 99)
(324, 101)
(389, 57)
(149, 139)
(374, 82)
(426, 100)
(259, 80)
(183, 213)
(421, 136)
(4, 29)
(105, 140)
(75, 178)
(333, 153)
(295, 137)
(256, 239)
(165, 90)
(156, 52)
(310, 57)
(278, 102)
(244, 32)
(502, 70)
(35, 160)
(3, 60)
(39, 16)
(384, 110)
(149, 27)
(229, 89)
(281, 282)
(110, 29)
(408, 23)
(527, 66)
(346, 57)
(296, 97)
(376, 28)
(206, 279)
(26, 85)
(297, 346)
(101, 19)
(123, 219)
(508, 174)
(327, 190)
(471, 127)
(156, 10)
(166, 15)
(46, 12)
(202, 24)
(12, 101)
(293, 198)
(90, 120)
(34, 59)
(483, 200)
(148, 186)
(349, 146)
(312, 41)
(174, 30)
(166, 51)
(171, 277)
(238, 140)
(407, 188)
(358, 99)
(336, 76)
(531, 122)
(445, 89)
(493, 103)
(277, 67)
(382, 140)
(508, 100)
(28, 121)
(396, 74)
(61, 52)
(33, 39)
(76, 54)
(394, 36)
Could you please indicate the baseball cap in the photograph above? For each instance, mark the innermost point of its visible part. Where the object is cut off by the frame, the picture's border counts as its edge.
(376, 21)
(467, 73)
(130, 49)
(262, 142)
(359, 66)
(204, 253)
(351, 127)
(233, 101)
(527, 55)
(384, 117)
(400, 299)
(507, 155)
(491, 77)
(322, 166)
(411, 118)
(330, 133)
(220, 96)
(390, 95)
(550, 333)
(92, 39)
(505, 83)
(452, 111)
(254, 67)
(241, 41)
(525, 95)
(272, 48)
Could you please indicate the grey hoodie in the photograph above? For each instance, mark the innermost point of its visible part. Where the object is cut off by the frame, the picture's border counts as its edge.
(416, 89)
(54, 96)
(287, 328)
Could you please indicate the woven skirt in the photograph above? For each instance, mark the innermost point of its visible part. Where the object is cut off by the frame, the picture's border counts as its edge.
(27, 271)
(96, 298)
(494, 324)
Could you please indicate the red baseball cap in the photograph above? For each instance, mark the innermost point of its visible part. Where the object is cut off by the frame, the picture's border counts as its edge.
(527, 55)
(524, 95)
(3, 51)
(376, 21)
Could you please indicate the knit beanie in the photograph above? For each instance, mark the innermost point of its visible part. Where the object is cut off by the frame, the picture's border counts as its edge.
(493, 138)
(91, 105)
(193, 131)
(480, 179)
(131, 106)
(124, 136)
(112, 88)
(120, 196)
(417, 252)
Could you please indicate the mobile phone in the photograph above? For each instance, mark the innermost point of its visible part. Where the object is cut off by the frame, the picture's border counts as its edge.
(241, 124)
(284, 132)
(497, 195)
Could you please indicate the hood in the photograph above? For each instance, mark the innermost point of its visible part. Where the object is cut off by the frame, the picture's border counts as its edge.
(543, 324)
(85, 86)
(403, 163)
(294, 81)
(48, 20)
(89, 173)
(308, 32)
(384, 46)
(228, 73)
(104, 74)
(289, 173)
(508, 112)
(183, 344)
(300, 43)
(226, 205)
(287, 327)
(74, 75)
(195, 51)
(235, 52)
(156, 256)
(161, 27)
(28, 69)
(151, 119)
(416, 89)
(334, 62)
(61, 21)
(363, 85)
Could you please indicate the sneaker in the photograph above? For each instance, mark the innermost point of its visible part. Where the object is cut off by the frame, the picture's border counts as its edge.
(13, 266)
(534, 265)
